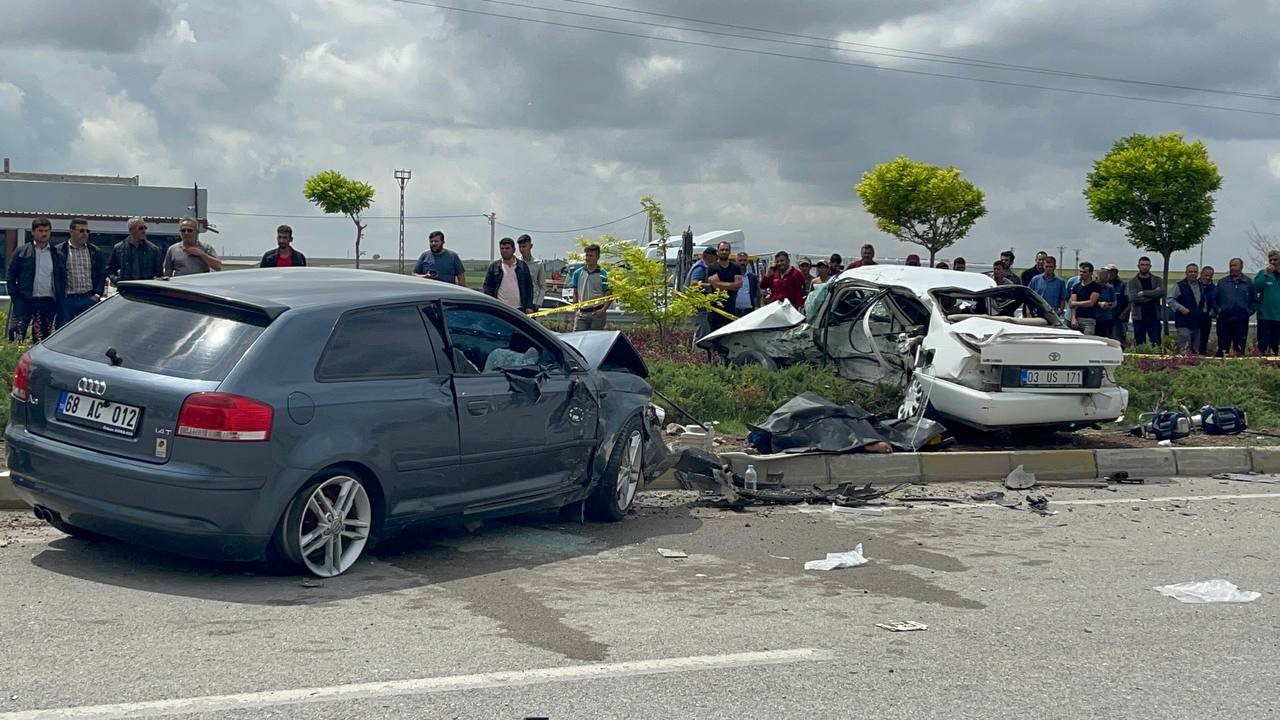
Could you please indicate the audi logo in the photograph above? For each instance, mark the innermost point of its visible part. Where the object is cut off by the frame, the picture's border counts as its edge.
(91, 386)
(1055, 357)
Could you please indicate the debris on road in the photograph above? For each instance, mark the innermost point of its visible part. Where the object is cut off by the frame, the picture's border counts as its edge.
(1020, 479)
(1207, 591)
(849, 495)
(992, 496)
(903, 626)
(1248, 477)
(675, 554)
(1040, 504)
(834, 561)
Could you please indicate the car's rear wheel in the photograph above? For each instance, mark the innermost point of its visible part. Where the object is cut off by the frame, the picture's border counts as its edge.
(616, 492)
(327, 525)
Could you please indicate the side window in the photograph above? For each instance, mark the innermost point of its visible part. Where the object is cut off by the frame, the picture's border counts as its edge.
(483, 341)
(378, 344)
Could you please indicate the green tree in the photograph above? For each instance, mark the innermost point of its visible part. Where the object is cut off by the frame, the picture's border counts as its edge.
(338, 195)
(1159, 189)
(642, 284)
(921, 204)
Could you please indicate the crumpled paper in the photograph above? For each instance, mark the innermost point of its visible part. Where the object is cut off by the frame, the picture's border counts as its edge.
(834, 561)
(1207, 591)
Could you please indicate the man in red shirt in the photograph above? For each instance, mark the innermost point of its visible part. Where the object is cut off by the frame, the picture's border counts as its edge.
(284, 255)
(784, 282)
(868, 257)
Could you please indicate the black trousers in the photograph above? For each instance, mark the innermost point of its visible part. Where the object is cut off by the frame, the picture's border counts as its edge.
(1206, 325)
(1233, 332)
(1268, 336)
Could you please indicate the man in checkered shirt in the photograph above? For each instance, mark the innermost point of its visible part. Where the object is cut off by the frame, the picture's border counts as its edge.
(86, 273)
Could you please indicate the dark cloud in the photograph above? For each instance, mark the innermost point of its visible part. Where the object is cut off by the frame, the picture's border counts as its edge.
(115, 27)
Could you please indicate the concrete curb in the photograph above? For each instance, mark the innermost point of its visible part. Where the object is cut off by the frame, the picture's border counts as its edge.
(8, 498)
(809, 469)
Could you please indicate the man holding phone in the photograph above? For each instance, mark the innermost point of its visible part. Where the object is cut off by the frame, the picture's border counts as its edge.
(440, 264)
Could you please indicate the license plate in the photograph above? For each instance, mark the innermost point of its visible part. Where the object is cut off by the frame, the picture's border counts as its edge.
(102, 414)
(1052, 378)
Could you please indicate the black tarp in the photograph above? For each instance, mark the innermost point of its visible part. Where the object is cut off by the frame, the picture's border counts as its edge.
(811, 423)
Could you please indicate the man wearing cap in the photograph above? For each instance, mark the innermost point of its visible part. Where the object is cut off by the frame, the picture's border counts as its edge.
(824, 275)
(806, 269)
(698, 279)
(784, 282)
(913, 260)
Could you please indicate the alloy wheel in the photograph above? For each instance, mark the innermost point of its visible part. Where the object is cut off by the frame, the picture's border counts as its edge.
(335, 525)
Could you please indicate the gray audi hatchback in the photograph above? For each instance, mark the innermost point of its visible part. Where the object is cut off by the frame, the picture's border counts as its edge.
(301, 414)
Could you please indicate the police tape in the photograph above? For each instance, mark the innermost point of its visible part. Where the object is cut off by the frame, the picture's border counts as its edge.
(573, 307)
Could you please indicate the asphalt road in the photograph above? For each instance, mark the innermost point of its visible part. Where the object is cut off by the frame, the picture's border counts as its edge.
(1027, 616)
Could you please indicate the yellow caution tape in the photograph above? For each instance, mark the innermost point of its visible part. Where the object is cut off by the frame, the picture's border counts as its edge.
(571, 307)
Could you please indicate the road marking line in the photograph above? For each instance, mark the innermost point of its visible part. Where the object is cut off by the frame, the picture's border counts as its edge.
(421, 686)
(961, 504)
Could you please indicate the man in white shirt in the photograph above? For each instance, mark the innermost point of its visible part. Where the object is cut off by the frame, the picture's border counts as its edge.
(508, 280)
(536, 272)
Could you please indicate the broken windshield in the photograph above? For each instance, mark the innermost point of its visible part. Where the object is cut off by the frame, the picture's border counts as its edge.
(1008, 303)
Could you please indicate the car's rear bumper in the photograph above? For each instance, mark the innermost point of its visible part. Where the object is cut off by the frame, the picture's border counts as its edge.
(201, 516)
(1012, 408)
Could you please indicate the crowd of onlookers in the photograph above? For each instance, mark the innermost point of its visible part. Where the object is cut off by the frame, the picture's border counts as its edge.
(50, 285)
(1093, 300)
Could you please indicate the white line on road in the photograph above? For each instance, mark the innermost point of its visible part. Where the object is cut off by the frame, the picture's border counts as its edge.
(960, 503)
(421, 686)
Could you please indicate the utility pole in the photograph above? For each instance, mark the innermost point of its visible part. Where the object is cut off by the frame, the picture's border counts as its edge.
(493, 218)
(1077, 256)
(402, 177)
(1062, 253)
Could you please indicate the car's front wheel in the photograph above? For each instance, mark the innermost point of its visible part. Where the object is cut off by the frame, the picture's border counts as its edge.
(616, 492)
(327, 525)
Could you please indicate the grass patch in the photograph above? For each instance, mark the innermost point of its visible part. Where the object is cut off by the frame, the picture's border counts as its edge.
(1248, 384)
(738, 396)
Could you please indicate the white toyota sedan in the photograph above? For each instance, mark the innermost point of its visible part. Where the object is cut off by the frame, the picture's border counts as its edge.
(962, 348)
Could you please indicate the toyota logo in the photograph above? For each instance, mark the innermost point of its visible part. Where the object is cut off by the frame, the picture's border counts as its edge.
(94, 387)
(1055, 357)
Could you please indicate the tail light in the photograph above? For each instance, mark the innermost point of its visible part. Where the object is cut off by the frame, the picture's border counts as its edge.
(22, 378)
(220, 416)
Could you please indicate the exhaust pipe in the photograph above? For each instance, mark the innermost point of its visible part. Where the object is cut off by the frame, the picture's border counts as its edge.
(41, 513)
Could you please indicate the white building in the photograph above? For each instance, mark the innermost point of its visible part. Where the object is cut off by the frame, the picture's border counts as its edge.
(106, 202)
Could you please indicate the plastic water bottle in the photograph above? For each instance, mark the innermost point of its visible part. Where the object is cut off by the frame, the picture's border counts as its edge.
(749, 478)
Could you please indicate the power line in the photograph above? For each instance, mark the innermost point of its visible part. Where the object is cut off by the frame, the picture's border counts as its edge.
(343, 217)
(831, 61)
(907, 54)
(574, 230)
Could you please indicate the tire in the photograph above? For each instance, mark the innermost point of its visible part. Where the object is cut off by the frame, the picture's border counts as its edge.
(327, 525)
(754, 357)
(617, 490)
(914, 403)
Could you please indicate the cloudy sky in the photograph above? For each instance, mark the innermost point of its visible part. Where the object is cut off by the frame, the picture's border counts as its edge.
(556, 128)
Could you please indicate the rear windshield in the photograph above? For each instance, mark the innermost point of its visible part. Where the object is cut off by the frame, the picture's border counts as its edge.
(158, 339)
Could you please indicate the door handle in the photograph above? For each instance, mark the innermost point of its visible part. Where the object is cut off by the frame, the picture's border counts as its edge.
(478, 407)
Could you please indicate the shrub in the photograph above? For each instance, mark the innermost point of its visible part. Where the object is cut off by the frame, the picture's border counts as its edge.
(9, 355)
(1253, 385)
(739, 396)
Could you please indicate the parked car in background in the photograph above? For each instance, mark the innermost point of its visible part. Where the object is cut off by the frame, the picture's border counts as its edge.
(302, 415)
(962, 348)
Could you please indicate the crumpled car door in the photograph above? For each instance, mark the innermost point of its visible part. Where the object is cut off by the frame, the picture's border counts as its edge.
(858, 329)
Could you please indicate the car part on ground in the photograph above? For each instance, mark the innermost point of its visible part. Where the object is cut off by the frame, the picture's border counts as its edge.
(811, 423)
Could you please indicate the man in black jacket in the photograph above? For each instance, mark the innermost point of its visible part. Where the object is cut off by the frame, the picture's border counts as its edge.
(509, 280)
(36, 273)
(85, 277)
(135, 258)
(284, 255)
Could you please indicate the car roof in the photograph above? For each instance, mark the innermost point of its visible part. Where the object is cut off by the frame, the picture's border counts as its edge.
(919, 280)
(302, 288)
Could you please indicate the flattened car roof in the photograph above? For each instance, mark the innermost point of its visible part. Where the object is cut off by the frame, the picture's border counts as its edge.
(919, 280)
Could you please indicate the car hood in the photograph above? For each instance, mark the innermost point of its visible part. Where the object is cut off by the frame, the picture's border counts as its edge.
(779, 315)
(607, 350)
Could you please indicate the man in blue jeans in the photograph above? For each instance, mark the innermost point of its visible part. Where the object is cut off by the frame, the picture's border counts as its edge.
(86, 269)
(1146, 295)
